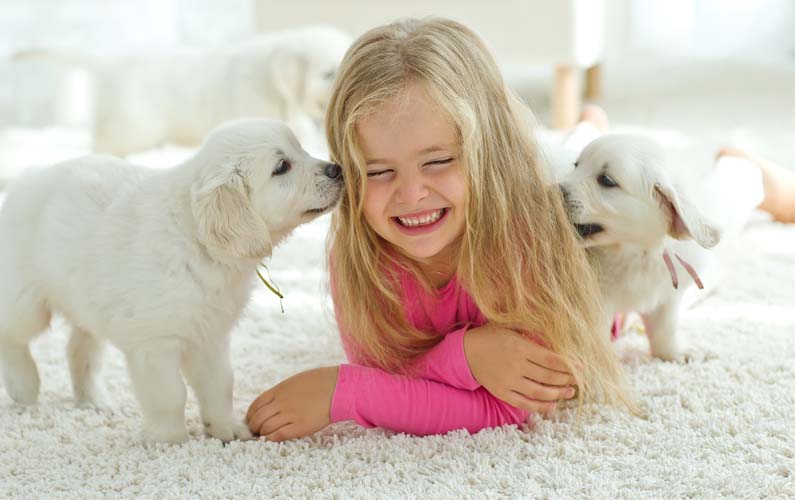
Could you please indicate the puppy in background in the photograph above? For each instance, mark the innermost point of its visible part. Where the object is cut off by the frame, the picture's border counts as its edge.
(645, 237)
(160, 263)
(144, 100)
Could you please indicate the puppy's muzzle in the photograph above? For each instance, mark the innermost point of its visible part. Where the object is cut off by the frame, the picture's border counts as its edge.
(572, 206)
(566, 196)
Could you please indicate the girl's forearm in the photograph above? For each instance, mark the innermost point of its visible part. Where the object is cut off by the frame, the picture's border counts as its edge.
(375, 398)
(445, 362)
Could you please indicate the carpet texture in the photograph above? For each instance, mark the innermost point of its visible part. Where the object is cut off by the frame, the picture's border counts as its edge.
(723, 428)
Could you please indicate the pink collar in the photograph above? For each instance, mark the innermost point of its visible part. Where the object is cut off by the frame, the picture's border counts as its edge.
(672, 270)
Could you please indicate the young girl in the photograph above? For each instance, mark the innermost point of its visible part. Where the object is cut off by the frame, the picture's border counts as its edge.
(463, 298)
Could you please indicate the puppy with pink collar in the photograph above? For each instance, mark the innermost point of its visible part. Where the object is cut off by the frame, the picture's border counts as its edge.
(647, 239)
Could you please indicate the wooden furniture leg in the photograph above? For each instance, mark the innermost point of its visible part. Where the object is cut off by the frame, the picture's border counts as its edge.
(565, 98)
(593, 82)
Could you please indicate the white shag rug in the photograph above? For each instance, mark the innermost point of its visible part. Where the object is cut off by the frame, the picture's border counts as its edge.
(724, 428)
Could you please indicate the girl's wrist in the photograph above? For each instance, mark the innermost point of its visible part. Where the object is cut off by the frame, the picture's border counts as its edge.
(471, 350)
(342, 400)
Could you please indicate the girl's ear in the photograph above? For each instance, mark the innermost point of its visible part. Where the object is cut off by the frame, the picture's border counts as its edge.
(226, 217)
(685, 219)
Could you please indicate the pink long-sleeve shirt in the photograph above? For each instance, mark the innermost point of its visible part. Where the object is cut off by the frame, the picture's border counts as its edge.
(441, 395)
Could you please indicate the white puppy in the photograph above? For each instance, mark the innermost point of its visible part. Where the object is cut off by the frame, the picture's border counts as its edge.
(158, 262)
(144, 100)
(643, 234)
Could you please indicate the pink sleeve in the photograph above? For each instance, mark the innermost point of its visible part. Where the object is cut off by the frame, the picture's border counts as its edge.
(445, 362)
(375, 398)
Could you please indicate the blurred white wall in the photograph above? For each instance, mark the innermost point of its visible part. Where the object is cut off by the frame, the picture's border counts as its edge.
(40, 94)
(37, 95)
(112, 26)
(567, 32)
(751, 29)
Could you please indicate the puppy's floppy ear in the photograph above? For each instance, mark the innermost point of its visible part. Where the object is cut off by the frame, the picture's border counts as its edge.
(226, 217)
(685, 219)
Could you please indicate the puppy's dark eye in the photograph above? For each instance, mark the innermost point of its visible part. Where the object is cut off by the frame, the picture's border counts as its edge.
(282, 167)
(605, 180)
(576, 164)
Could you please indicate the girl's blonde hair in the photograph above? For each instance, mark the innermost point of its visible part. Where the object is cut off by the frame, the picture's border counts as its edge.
(519, 257)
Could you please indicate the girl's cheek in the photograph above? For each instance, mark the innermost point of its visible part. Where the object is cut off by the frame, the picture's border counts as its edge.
(377, 194)
(371, 210)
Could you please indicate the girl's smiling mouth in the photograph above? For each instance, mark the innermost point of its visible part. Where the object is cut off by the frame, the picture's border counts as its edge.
(421, 222)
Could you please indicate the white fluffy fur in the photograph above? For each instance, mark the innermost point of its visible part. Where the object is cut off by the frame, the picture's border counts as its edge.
(646, 214)
(159, 263)
(144, 100)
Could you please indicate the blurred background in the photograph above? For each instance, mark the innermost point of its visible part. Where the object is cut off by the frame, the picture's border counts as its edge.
(697, 74)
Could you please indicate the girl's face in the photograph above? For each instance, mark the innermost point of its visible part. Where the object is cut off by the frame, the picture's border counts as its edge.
(416, 188)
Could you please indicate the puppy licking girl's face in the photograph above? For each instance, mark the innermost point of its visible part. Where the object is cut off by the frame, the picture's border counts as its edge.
(611, 194)
(294, 187)
(256, 184)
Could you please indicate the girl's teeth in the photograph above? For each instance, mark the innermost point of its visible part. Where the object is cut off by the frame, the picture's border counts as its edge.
(421, 221)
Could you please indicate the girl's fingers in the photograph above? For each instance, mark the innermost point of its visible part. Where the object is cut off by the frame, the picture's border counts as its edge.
(546, 376)
(545, 358)
(539, 392)
(273, 424)
(261, 416)
(289, 431)
(533, 406)
(265, 398)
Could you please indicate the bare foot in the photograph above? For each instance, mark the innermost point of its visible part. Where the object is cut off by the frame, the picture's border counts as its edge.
(596, 115)
(779, 184)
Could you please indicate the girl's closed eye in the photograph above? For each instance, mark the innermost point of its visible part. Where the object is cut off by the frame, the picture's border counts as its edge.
(379, 174)
(443, 161)
(385, 173)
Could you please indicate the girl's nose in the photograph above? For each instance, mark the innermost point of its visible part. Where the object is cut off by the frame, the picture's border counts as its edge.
(411, 189)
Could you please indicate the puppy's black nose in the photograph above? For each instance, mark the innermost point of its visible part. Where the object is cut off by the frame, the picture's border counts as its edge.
(333, 171)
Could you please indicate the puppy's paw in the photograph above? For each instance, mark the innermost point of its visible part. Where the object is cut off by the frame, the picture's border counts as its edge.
(23, 391)
(97, 398)
(20, 376)
(695, 354)
(687, 354)
(228, 431)
(167, 436)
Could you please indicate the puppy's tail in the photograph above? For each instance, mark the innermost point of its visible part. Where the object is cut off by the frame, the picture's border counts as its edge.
(66, 58)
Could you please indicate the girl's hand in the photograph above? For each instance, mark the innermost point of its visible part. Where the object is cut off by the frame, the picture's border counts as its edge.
(296, 407)
(517, 370)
